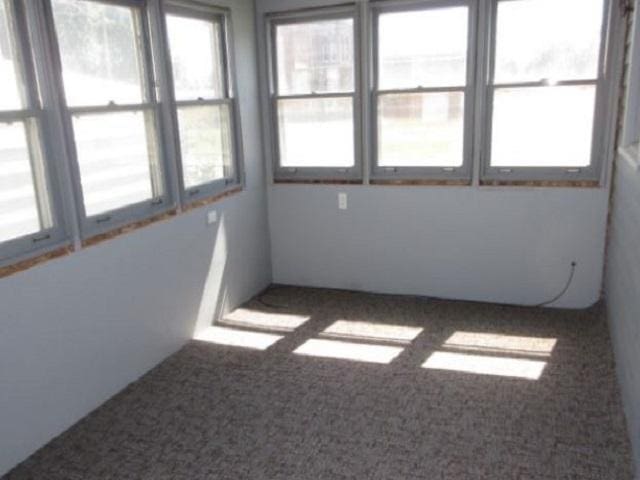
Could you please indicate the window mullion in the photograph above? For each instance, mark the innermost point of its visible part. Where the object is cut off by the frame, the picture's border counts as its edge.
(222, 34)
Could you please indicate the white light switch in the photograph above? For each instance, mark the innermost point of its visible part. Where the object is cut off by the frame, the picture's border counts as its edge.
(212, 217)
(342, 201)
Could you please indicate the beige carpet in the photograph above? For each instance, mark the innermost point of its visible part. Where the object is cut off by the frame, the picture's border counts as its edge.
(421, 390)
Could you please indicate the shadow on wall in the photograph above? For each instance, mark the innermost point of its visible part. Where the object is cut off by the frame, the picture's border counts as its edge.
(214, 295)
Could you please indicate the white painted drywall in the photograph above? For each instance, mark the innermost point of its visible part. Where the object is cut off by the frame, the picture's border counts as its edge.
(491, 244)
(623, 288)
(511, 245)
(75, 331)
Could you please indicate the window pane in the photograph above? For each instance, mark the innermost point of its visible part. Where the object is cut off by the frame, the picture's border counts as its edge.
(117, 157)
(10, 98)
(421, 130)
(316, 133)
(543, 127)
(196, 58)
(426, 48)
(315, 57)
(99, 46)
(548, 39)
(18, 204)
(205, 142)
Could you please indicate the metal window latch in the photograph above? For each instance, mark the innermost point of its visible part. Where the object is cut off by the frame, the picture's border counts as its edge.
(505, 170)
(292, 170)
(105, 219)
(342, 170)
(157, 201)
(573, 170)
(390, 169)
(448, 169)
(41, 238)
(193, 192)
(112, 103)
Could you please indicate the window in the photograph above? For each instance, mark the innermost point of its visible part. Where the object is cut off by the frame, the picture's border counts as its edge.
(111, 111)
(82, 125)
(630, 140)
(203, 99)
(314, 95)
(423, 90)
(546, 77)
(29, 217)
(466, 90)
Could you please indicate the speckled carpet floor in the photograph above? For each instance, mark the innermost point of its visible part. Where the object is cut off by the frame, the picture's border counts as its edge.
(424, 389)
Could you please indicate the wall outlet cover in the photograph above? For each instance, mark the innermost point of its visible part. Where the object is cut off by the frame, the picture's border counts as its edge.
(342, 201)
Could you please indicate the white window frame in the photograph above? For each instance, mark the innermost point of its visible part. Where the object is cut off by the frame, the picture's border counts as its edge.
(222, 16)
(464, 172)
(273, 20)
(58, 174)
(603, 83)
(97, 224)
(629, 147)
(45, 172)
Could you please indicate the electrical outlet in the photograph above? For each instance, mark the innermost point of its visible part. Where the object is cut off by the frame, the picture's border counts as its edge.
(342, 201)
(212, 217)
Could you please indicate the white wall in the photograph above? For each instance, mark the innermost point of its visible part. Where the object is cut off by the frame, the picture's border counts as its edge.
(510, 245)
(75, 331)
(623, 286)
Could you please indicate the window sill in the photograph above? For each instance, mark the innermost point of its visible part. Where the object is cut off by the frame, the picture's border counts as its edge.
(131, 227)
(542, 183)
(317, 181)
(423, 183)
(213, 199)
(158, 218)
(29, 263)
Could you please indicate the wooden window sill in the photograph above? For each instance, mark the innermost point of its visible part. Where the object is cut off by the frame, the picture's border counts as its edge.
(209, 200)
(542, 183)
(317, 182)
(29, 263)
(23, 265)
(422, 182)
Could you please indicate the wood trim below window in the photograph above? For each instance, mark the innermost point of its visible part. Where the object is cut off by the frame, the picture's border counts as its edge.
(542, 183)
(23, 265)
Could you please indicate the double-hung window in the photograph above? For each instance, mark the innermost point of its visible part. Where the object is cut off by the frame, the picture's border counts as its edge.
(110, 111)
(546, 80)
(203, 96)
(630, 139)
(423, 89)
(314, 95)
(30, 217)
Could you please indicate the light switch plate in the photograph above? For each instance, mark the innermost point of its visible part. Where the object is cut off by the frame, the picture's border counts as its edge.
(212, 217)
